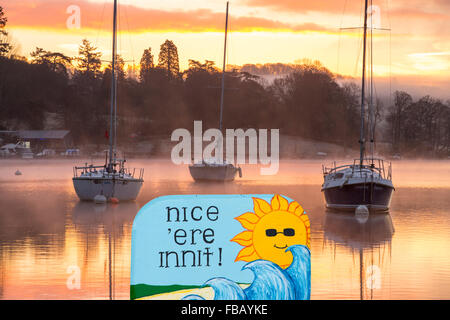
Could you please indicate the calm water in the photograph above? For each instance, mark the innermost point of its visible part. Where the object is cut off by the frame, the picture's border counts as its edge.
(44, 230)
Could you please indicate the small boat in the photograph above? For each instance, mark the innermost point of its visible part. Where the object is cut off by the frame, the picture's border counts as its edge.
(349, 186)
(217, 169)
(367, 181)
(113, 179)
(208, 170)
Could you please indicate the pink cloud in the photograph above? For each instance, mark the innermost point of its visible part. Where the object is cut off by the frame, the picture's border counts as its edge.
(51, 14)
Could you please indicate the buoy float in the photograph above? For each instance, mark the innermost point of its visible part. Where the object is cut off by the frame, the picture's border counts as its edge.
(114, 200)
(18, 173)
(100, 199)
(362, 213)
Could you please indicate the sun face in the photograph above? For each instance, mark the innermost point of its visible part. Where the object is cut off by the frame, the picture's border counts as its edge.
(271, 229)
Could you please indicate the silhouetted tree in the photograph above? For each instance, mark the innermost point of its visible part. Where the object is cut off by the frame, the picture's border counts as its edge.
(5, 46)
(202, 92)
(396, 118)
(56, 61)
(146, 64)
(304, 100)
(168, 59)
(30, 93)
(419, 128)
(88, 59)
(318, 108)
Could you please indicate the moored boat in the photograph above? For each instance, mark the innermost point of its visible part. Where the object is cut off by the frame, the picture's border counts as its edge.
(112, 180)
(348, 186)
(216, 169)
(368, 181)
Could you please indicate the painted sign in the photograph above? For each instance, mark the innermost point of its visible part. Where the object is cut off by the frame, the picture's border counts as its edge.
(223, 247)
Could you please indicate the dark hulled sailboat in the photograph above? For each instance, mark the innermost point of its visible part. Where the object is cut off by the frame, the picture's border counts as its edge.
(367, 181)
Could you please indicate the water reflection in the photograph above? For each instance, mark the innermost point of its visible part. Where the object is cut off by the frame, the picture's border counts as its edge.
(44, 230)
(112, 222)
(368, 235)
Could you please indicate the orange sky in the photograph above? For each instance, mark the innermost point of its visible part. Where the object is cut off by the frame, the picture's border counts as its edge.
(416, 50)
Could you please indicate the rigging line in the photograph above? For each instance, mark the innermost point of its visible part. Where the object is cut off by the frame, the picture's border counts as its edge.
(360, 44)
(371, 122)
(228, 43)
(129, 35)
(119, 29)
(101, 24)
(355, 71)
(339, 37)
(390, 52)
(118, 49)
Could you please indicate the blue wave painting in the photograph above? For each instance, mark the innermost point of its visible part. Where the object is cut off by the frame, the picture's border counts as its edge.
(270, 281)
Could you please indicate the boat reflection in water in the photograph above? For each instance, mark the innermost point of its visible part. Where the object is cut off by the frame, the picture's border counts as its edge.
(116, 221)
(368, 236)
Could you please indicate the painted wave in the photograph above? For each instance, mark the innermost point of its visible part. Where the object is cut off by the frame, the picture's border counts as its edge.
(270, 281)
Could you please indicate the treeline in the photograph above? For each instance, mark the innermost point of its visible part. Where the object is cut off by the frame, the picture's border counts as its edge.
(307, 101)
(419, 127)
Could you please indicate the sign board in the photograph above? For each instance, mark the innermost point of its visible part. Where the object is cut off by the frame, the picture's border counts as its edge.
(222, 247)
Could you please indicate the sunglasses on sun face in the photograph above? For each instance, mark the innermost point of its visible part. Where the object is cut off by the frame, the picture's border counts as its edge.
(288, 232)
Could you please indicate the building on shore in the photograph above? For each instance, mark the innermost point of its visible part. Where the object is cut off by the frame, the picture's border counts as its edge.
(39, 140)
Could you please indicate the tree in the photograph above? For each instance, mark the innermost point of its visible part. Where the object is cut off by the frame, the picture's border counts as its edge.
(320, 107)
(119, 68)
(168, 59)
(89, 61)
(56, 61)
(396, 118)
(196, 66)
(5, 46)
(146, 64)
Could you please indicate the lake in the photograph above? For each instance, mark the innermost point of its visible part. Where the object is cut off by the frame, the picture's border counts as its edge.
(46, 232)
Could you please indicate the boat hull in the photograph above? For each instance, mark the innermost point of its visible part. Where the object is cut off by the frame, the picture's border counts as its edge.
(213, 173)
(122, 189)
(376, 196)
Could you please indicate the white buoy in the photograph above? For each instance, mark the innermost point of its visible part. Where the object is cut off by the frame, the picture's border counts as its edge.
(18, 173)
(362, 213)
(100, 199)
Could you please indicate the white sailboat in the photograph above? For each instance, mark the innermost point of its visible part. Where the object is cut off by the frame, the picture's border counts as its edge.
(217, 169)
(113, 179)
(367, 181)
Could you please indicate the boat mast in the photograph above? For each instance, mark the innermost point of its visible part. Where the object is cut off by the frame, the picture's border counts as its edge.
(223, 69)
(362, 141)
(113, 116)
(371, 109)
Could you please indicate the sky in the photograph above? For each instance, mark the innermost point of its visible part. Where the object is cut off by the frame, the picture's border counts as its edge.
(411, 39)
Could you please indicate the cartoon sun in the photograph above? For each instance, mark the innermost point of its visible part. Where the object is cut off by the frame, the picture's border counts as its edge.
(271, 229)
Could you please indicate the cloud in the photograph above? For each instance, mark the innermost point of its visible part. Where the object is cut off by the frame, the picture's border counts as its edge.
(339, 6)
(52, 15)
(415, 17)
(304, 6)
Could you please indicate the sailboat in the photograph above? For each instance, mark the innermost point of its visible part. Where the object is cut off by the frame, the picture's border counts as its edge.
(113, 179)
(367, 181)
(217, 169)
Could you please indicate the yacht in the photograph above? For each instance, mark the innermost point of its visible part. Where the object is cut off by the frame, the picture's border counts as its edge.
(217, 169)
(113, 179)
(368, 180)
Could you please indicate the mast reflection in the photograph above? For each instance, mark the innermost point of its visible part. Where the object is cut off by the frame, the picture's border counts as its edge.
(88, 218)
(367, 235)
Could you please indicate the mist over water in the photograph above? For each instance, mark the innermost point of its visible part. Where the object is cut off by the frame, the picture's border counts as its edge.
(44, 229)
